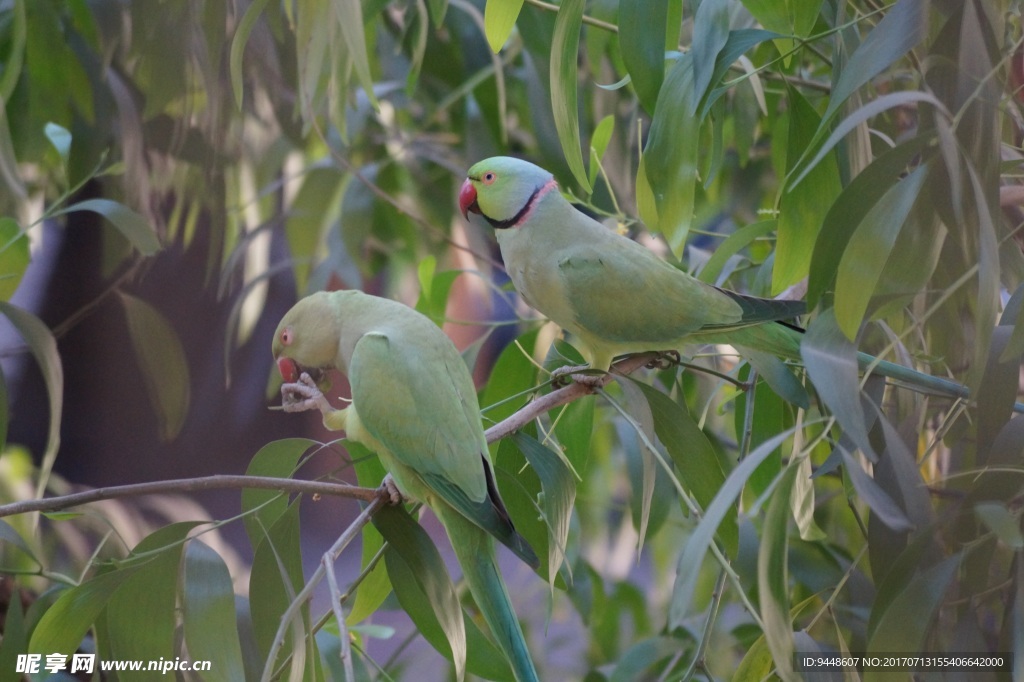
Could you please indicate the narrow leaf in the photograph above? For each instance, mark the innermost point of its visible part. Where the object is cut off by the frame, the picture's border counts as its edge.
(773, 576)
(238, 42)
(861, 266)
(349, 15)
(499, 19)
(208, 611)
(135, 228)
(700, 468)
(408, 543)
(262, 508)
(564, 58)
(559, 494)
(162, 361)
(643, 55)
(599, 144)
(14, 257)
(44, 349)
(669, 167)
(699, 542)
(710, 34)
(802, 209)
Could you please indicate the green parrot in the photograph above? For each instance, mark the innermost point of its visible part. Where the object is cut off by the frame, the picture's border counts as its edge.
(414, 404)
(617, 297)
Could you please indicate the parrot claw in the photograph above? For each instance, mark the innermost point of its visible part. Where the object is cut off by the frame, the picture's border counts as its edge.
(563, 376)
(303, 395)
(389, 490)
(665, 359)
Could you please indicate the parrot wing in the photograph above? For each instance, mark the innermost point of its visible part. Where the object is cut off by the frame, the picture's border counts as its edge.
(621, 292)
(418, 400)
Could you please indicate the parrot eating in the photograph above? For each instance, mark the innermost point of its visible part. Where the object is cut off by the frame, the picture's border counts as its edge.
(415, 405)
(614, 295)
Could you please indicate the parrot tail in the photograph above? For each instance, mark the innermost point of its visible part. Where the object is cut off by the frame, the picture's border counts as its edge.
(474, 548)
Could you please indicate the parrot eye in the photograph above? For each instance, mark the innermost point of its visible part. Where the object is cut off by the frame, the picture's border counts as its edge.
(488, 178)
(287, 336)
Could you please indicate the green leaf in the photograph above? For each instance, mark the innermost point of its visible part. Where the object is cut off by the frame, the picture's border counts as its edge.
(11, 537)
(777, 375)
(738, 240)
(574, 430)
(643, 55)
(238, 43)
(907, 98)
(789, 17)
(44, 349)
(860, 266)
(135, 228)
(564, 77)
(831, 362)
(408, 544)
(499, 19)
(757, 663)
(906, 618)
(802, 209)
(349, 15)
(262, 508)
(314, 210)
(668, 169)
(1000, 521)
(276, 578)
(849, 209)
(15, 640)
(513, 373)
(642, 657)
(60, 138)
(162, 361)
(736, 45)
(64, 624)
(899, 31)
(697, 545)
(14, 257)
(438, 9)
(710, 34)
(376, 586)
(700, 469)
(558, 494)
(140, 615)
(773, 576)
(599, 145)
(14, 60)
(643, 477)
(208, 612)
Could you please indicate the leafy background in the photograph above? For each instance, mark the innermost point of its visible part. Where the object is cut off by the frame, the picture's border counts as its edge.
(175, 174)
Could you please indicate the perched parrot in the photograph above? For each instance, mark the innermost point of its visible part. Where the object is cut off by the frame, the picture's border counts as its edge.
(414, 404)
(614, 295)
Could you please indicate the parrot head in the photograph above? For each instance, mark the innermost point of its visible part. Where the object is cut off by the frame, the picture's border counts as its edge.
(306, 340)
(504, 190)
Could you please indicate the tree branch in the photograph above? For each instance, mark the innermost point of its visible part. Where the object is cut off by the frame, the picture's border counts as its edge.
(522, 417)
(183, 485)
(566, 394)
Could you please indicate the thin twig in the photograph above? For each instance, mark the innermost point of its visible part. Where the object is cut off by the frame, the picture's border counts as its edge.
(709, 626)
(380, 498)
(184, 485)
(564, 395)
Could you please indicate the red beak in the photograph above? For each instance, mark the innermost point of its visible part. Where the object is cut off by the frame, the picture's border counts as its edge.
(288, 369)
(467, 199)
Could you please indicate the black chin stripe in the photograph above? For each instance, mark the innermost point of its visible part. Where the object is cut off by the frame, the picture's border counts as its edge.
(514, 220)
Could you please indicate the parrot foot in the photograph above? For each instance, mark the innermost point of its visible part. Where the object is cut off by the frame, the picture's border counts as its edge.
(665, 359)
(390, 491)
(563, 376)
(304, 395)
